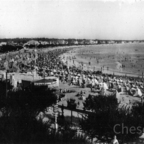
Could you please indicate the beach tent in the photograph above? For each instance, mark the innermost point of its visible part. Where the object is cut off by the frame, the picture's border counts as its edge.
(2, 75)
(138, 92)
(105, 86)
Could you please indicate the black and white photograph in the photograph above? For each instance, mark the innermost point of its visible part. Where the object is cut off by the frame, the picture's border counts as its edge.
(71, 71)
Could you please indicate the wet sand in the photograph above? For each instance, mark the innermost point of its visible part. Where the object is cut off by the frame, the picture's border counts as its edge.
(121, 59)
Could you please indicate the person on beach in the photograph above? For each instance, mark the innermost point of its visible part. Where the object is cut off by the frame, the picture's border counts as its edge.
(138, 92)
(115, 141)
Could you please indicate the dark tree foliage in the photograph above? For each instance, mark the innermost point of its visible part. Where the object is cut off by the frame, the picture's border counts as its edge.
(9, 48)
(3, 92)
(19, 124)
(71, 105)
(35, 98)
(98, 124)
(22, 128)
(107, 120)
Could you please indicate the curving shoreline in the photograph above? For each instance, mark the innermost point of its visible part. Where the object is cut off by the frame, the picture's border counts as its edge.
(78, 61)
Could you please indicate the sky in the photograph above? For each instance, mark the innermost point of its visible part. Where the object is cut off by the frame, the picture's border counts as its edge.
(89, 19)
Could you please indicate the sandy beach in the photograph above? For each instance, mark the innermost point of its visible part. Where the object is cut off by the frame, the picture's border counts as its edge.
(120, 59)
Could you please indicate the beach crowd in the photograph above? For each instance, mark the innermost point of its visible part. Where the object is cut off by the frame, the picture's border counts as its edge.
(55, 63)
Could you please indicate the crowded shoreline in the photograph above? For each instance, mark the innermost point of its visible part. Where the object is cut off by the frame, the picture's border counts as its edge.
(61, 63)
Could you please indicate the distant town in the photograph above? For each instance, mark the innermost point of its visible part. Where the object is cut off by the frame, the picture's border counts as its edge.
(19, 43)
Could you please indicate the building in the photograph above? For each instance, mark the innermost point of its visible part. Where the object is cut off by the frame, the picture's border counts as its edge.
(25, 79)
(3, 43)
(31, 43)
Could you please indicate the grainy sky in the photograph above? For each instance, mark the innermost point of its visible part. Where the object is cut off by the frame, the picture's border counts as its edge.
(96, 19)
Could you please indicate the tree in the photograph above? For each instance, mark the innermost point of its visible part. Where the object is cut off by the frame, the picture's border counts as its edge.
(71, 105)
(35, 98)
(107, 119)
(3, 92)
(99, 122)
(20, 124)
